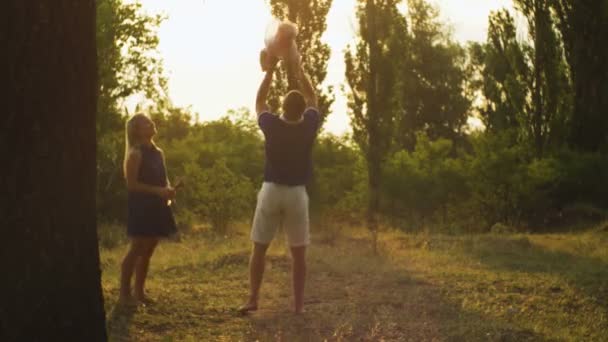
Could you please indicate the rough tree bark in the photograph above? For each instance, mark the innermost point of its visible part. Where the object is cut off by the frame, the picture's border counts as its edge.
(50, 262)
(373, 159)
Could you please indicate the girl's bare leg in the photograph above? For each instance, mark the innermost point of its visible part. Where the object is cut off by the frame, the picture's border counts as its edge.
(127, 268)
(141, 268)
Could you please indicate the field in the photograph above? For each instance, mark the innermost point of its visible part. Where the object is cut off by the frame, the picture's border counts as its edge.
(420, 287)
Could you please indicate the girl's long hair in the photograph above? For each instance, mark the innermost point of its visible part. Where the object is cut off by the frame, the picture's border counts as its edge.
(130, 138)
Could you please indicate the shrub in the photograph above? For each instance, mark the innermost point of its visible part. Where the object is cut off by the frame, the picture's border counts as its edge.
(425, 182)
(220, 195)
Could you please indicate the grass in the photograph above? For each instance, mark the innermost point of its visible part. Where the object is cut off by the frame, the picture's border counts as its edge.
(419, 288)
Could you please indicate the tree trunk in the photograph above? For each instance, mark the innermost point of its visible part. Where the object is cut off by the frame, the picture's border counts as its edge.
(373, 158)
(51, 277)
(373, 203)
(292, 15)
(538, 79)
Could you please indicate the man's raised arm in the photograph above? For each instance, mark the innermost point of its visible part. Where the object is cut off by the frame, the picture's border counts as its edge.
(308, 91)
(268, 64)
(260, 100)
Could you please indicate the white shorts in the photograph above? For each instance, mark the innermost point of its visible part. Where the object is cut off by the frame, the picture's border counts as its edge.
(281, 205)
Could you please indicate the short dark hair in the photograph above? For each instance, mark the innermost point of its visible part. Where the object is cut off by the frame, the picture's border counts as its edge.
(294, 105)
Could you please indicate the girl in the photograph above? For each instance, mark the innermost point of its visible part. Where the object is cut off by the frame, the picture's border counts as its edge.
(150, 216)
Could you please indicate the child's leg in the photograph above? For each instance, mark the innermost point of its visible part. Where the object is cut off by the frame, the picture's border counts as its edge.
(128, 265)
(141, 267)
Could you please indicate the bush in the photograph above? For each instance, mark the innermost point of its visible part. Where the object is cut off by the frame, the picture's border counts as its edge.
(111, 187)
(508, 185)
(219, 195)
(583, 178)
(499, 228)
(424, 183)
(339, 186)
(111, 235)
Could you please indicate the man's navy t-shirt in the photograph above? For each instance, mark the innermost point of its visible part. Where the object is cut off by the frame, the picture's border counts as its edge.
(289, 147)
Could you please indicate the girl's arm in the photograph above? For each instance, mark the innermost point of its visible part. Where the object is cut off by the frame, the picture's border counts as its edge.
(133, 163)
(165, 166)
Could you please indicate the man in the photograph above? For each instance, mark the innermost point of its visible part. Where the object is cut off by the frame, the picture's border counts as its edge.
(283, 199)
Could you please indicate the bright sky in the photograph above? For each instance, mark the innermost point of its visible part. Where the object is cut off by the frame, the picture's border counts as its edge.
(211, 47)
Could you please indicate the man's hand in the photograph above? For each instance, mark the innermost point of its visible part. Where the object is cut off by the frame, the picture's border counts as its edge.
(260, 100)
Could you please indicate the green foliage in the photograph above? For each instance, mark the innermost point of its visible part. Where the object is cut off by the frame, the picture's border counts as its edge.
(395, 91)
(111, 187)
(507, 183)
(432, 93)
(423, 183)
(371, 74)
(339, 185)
(410, 89)
(371, 70)
(499, 228)
(499, 182)
(583, 178)
(502, 72)
(583, 29)
(111, 235)
(218, 194)
(127, 44)
(548, 85)
(219, 162)
(524, 86)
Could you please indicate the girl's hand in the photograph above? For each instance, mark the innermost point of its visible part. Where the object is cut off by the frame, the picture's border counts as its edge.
(166, 193)
(178, 184)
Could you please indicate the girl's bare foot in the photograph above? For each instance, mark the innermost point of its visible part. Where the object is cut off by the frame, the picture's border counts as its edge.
(250, 306)
(145, 300)
(126, 301)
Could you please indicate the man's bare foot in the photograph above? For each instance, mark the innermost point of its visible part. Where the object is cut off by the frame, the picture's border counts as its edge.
(250, 306)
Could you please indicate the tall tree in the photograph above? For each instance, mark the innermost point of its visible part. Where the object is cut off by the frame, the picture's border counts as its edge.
(129, 62)
(311, 18)
(433, 97)
(52, 280)
(525, 84)
(549, 84)
(502, 74)
(371, 72)
(582, 24)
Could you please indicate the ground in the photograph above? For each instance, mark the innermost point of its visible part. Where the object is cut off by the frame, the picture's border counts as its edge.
(419, 287)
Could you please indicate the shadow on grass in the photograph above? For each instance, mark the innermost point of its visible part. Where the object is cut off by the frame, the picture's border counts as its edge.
(119, 323)
(366, 299)
(521, 255)
(351, 296)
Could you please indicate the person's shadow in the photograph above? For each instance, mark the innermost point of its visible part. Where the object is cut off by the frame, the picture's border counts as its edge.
(119, 322)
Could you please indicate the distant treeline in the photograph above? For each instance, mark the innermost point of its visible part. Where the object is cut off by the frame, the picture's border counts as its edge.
(540, 160)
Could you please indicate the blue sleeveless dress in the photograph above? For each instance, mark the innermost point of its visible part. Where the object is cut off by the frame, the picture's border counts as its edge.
(148, 214)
